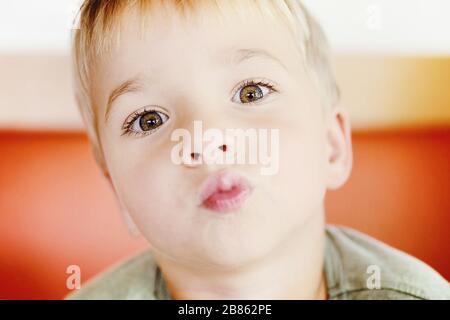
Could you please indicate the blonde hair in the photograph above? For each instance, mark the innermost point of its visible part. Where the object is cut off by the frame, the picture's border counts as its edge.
(98, 29)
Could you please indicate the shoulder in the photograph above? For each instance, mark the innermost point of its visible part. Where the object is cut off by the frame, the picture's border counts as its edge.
(129, 279)
(365, 268)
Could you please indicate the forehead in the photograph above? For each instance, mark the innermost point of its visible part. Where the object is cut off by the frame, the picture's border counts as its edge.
(167, 43)
(202, 26)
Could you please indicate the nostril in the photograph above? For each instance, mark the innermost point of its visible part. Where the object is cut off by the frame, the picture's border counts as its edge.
(195, 156)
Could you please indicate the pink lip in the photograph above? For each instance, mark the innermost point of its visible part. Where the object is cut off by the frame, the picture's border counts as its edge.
(224, 192)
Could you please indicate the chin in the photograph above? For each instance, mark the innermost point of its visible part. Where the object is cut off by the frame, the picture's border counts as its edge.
(233, 254)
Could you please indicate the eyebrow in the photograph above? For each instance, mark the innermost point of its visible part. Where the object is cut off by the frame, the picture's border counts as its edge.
(131, 85)
(240, 55)
(232, 56)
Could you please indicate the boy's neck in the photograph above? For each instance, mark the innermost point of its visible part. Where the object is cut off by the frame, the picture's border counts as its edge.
(294, 270)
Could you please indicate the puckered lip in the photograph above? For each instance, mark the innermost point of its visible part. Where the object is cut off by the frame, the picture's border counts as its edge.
(222, 182)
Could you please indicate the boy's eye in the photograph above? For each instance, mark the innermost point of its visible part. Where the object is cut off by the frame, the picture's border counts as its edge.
(252, 91)
(144, 122)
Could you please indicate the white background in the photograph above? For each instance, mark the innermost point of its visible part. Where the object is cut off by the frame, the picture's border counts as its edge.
(392, 26)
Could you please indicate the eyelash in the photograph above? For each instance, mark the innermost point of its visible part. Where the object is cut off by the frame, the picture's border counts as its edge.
(253, 82)
(135, 115)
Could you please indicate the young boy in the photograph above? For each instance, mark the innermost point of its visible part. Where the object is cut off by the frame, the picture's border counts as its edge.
(219, 229)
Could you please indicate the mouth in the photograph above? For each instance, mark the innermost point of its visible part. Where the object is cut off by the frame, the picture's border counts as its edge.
(224, 192)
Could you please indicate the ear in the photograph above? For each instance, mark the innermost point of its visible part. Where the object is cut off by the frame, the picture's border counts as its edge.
(339, 148)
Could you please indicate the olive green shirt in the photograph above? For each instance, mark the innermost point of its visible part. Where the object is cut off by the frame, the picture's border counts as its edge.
(356, 267)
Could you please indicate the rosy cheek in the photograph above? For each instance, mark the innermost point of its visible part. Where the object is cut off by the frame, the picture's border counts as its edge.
(146, 182)
(301, 157)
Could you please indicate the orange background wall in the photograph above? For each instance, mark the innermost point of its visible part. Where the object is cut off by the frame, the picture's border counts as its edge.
(57, 210)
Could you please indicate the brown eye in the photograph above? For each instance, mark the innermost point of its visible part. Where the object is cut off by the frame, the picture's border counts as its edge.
(150, 121)
(250, 94)
(144, 122)
(252, 91)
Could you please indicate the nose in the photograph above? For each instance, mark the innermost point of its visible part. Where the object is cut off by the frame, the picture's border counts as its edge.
(197, 157)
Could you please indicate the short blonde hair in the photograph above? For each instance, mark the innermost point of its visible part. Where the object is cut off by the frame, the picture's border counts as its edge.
(98, 29)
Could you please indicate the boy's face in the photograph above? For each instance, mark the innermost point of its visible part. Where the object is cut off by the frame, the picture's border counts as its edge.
(186, 72)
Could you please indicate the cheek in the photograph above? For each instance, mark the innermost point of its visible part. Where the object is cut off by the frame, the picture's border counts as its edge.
(302, 167)
(303, 151)
(144, 183)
